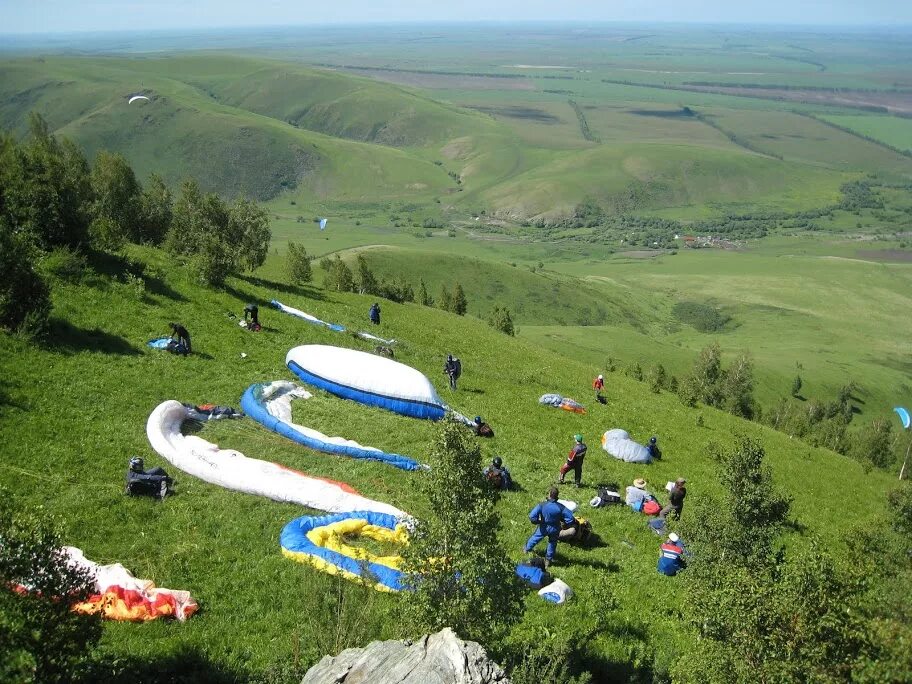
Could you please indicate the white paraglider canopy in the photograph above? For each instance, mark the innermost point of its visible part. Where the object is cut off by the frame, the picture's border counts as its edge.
(137, 97)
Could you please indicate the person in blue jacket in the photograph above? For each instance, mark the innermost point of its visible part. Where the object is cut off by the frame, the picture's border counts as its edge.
(548, 517)
(374, 313)
(671, 556)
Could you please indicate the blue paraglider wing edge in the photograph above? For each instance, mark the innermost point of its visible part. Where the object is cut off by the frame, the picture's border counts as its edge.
(252, 405)
(405, 407)
(904, 417)
(294, 542)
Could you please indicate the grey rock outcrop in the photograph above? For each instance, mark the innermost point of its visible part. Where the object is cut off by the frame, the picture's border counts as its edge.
(441, 658)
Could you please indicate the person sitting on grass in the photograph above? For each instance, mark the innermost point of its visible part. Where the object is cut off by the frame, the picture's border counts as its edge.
(548, 517)
(671, 556)
(498, 475)
(653, 448)
(153, 482)
(481, 428)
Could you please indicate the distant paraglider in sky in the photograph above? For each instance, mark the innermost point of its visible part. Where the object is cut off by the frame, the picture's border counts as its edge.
(138, 97)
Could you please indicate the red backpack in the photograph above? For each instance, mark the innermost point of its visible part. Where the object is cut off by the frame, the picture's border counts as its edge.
(651, 507)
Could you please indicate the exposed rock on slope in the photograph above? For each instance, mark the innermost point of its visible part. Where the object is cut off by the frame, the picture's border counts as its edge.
(441, 658)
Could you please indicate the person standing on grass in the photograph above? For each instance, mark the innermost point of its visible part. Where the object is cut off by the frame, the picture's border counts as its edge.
(598, 385)
(374, 313)
(548, 516)
(676, 500)
(453, 369)
(181, 337)
(574, 461)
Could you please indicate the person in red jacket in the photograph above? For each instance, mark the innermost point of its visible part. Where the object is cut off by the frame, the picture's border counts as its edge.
(598, 385)
(574, 461)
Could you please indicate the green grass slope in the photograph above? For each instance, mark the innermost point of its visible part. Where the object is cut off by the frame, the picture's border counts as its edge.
(324, 101)
(531, 297)
(184, 132)
(74, 410)
(838, 317)
(637, 177)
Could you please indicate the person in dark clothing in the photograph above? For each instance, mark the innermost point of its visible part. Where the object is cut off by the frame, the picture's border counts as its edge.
(653, 448)
(453, 369)
(153, 482)
(497, 474)
(548, 517)
(481, 428)
(574, 461)
(374, 313)
(252, 312)
(676, 500)
(181, 339)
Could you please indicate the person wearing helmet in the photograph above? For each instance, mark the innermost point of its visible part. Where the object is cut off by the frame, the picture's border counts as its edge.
(549, 516)
(598, 385)
(252, 312)
(574, 461)
(374, 313)
(154, 482)
(453, 369)
(653, 448)
(481, 428)
(498, 475)
(671, 556)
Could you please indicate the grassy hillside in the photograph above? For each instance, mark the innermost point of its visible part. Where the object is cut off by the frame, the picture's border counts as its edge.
(534, 297)
(76, 408)
(634, 178)
(798, 310)
(184, 132)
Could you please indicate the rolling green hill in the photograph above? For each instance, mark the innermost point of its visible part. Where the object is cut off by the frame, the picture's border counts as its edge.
(631, 178)
(76, 422)
(531, 297)
(184, 132)
(267, 129)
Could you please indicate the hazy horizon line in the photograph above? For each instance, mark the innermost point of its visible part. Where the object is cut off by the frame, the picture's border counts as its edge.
(854, 26)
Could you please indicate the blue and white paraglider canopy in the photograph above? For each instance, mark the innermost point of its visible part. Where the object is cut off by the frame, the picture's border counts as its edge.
(323, 223)
(904, 417)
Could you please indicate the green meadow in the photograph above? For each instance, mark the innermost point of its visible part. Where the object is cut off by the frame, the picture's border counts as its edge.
(554, 172)
(84, 397)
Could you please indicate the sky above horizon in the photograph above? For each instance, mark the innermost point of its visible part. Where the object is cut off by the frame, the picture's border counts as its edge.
(58, 16)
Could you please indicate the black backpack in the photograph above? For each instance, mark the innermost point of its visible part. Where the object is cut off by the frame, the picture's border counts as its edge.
(609, 497)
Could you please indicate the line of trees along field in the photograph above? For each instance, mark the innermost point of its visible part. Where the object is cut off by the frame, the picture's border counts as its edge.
(57, 210)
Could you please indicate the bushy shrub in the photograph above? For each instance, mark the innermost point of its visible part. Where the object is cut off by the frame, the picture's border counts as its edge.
(297, 264)
(25, 299)
(41, 640)
(501, 320)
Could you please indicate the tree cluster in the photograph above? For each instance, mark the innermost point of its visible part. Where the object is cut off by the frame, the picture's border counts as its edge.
(219, 239)
(730, 389)
(764, 614)
(52, 199)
